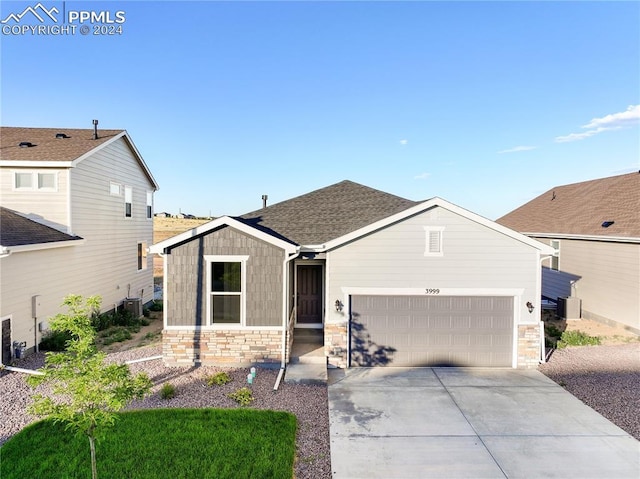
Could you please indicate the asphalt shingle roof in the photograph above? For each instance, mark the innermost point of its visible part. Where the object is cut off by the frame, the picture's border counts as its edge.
(46, 146)
(17, 230)
(582, 208)
(325, 214)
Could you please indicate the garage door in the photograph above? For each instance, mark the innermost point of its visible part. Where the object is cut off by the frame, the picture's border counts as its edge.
(431, 330)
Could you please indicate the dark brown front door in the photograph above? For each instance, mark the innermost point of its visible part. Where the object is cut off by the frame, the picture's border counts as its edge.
(309, 290)
(6, 341)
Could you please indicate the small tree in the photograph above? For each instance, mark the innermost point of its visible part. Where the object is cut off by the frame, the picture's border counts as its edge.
(89, 391)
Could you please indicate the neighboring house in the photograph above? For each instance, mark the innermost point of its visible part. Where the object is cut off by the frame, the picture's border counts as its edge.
(163, 214)
(77, 218)
(595, 228)
(389, 280)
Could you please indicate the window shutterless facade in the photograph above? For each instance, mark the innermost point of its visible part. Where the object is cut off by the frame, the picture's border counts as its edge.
(226, 286)
(149, 205)
(35, 181)
(142, 256)
(555, 259)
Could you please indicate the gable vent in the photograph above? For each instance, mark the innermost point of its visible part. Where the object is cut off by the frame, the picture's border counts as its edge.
(606, 224)
(26, 144)
(62, 135)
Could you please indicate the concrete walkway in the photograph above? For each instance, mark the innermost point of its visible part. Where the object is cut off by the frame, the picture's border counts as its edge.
(469, 423)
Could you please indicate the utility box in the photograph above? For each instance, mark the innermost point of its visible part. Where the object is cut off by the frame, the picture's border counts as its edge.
(134, 306)
(569, 308)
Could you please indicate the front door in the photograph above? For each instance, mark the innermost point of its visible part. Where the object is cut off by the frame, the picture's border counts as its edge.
(6, 341)
(309, 295)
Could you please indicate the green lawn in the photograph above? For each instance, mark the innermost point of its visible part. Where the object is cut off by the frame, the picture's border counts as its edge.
(160, 443)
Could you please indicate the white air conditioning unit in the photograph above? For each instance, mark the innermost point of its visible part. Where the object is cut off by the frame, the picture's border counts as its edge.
(569, 308)
(134, 306)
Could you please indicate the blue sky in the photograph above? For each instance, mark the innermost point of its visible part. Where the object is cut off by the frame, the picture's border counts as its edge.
(484, 104)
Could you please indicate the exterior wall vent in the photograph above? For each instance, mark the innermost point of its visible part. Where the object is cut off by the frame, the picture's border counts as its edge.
(26, 144)
(61, 135)
(606, 224)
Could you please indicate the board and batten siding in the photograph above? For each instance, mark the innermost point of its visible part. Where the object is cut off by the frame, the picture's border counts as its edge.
(474, 257)
(186, 291)
(46, 207)
(609, 278)
(108, 261)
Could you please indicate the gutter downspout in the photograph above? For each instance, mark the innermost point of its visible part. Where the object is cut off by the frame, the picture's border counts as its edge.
(285, 314)
(543, 346)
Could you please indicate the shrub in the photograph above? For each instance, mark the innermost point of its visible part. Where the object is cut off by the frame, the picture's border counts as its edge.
(116, 335)
(242, 396)
(156, 306)
(577, 338)
(552, 331)
(218, 379)
(167, 391)
(55, 340)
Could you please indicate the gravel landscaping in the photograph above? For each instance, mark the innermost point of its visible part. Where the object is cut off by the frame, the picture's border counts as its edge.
(605, 378)
(308, 403)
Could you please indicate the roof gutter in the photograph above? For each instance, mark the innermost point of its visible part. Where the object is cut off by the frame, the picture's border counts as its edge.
(4, 251)
(615, 239)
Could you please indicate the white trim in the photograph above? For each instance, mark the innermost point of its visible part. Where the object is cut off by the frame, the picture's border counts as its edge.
(36, 164)
(222, 327)
(556, 253)
(217, 223)
(426, 205)
(612, 239)
(111, 185)
(128, 189)
(35, 180)
(242, 259)
(42, 246)
(427, 248)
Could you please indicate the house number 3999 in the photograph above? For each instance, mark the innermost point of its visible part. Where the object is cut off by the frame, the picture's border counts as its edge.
(432, 291)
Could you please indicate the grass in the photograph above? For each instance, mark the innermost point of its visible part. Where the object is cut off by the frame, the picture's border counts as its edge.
(577, 338)
(175, 443)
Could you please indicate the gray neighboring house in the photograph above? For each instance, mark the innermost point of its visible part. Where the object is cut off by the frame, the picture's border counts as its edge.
(594, 226)
(388, 280)
(77, 218)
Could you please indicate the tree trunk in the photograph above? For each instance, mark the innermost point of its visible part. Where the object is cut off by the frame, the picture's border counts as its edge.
(94, 468)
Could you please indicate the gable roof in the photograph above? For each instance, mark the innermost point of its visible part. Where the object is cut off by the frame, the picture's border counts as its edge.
(325, 214)
(580, 209)
(48, 150)
(17, 230)
(327, 218)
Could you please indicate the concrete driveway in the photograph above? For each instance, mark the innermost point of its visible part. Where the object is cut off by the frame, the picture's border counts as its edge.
(475, 423)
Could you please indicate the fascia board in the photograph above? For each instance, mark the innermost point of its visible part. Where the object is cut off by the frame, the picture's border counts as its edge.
(612, 239)
(431, 203)
(36, 164)
(42, 246)
(160, 247)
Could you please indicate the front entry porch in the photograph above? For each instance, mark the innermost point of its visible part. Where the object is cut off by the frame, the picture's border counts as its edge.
(308, 363)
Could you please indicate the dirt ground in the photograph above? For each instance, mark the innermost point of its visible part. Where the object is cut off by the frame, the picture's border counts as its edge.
(609, 335)
(150, 334)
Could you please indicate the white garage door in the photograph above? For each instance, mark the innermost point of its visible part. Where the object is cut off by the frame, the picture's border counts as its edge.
(431, 330)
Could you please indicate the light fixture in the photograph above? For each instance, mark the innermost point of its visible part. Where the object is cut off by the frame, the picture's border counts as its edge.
(338, 306)
(530, 306)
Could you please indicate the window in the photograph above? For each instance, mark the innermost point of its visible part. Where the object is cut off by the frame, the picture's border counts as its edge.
(142, 256)
(114, 189)
(35, 181)
(149, 205)
(434, 236)
(555, 259)
(128, 199)
(226, 285)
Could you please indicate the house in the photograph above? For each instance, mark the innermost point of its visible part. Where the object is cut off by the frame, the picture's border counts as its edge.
(76, 218)
(388, 280)
(594, 226)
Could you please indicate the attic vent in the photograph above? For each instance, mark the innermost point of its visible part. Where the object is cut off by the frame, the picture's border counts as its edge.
(62, 135)
(26, 144)
(606, 224)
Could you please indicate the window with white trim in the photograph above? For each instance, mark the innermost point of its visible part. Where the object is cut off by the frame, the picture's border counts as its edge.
(128, 200)
(226, 286)
(555, 259)
(142, 256)
(35, 180)
(149, 205)
(115, 188)
(434, 240)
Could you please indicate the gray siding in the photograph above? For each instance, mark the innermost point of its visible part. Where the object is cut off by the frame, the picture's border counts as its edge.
(609, 284)
(186, 284)
(474, 257)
